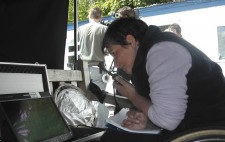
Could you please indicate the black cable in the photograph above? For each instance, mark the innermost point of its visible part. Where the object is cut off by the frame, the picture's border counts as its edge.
(86, 126)
(117, 106)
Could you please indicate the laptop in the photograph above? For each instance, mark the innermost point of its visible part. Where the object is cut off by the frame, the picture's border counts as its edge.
(29, 113)
(23, 87)
(33, 120)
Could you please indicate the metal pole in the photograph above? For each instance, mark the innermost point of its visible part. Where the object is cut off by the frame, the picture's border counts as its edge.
(75, 32)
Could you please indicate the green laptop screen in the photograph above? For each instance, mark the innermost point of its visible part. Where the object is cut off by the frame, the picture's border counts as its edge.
(35, 120)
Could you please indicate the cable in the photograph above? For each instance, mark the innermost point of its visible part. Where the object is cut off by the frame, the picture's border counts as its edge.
(117, 106)
(85, 126)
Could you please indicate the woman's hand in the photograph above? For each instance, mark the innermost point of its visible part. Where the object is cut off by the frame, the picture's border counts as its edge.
(129, 91)
(136, 120)
(124, 87)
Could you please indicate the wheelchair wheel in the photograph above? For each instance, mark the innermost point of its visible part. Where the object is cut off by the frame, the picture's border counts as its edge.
(210, 134)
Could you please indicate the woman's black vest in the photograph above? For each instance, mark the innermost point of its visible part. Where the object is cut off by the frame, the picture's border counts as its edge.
(205, 82)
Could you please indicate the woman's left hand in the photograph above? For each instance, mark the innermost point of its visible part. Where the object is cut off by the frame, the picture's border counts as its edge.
(136, 120)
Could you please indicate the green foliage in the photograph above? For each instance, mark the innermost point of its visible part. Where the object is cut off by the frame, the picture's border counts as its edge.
(71, 11)
(83, 8)
(107, 6)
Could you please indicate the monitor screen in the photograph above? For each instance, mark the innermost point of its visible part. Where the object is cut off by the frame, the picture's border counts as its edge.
(35, 120)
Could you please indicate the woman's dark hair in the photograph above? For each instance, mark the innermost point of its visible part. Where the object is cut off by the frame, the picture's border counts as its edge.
(120, 28)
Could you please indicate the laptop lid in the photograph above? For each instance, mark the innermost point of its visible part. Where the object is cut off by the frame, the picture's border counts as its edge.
(34, 120)
(19, 81)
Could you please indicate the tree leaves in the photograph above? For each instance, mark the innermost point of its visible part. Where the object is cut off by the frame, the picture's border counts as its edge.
(107, 6)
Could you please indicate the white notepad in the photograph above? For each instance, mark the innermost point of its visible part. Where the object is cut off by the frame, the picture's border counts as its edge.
(116, 121)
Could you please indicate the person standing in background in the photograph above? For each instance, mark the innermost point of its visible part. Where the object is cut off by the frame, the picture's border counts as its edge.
(90, 38)
(126, 12)
(175, 28)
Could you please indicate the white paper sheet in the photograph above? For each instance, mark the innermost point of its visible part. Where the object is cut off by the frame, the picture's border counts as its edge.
(117, 120)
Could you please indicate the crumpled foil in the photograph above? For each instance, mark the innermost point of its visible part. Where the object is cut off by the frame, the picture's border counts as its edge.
(74, 106)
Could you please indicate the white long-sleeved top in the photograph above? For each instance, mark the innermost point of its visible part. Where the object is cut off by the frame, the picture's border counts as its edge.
(167, 66)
